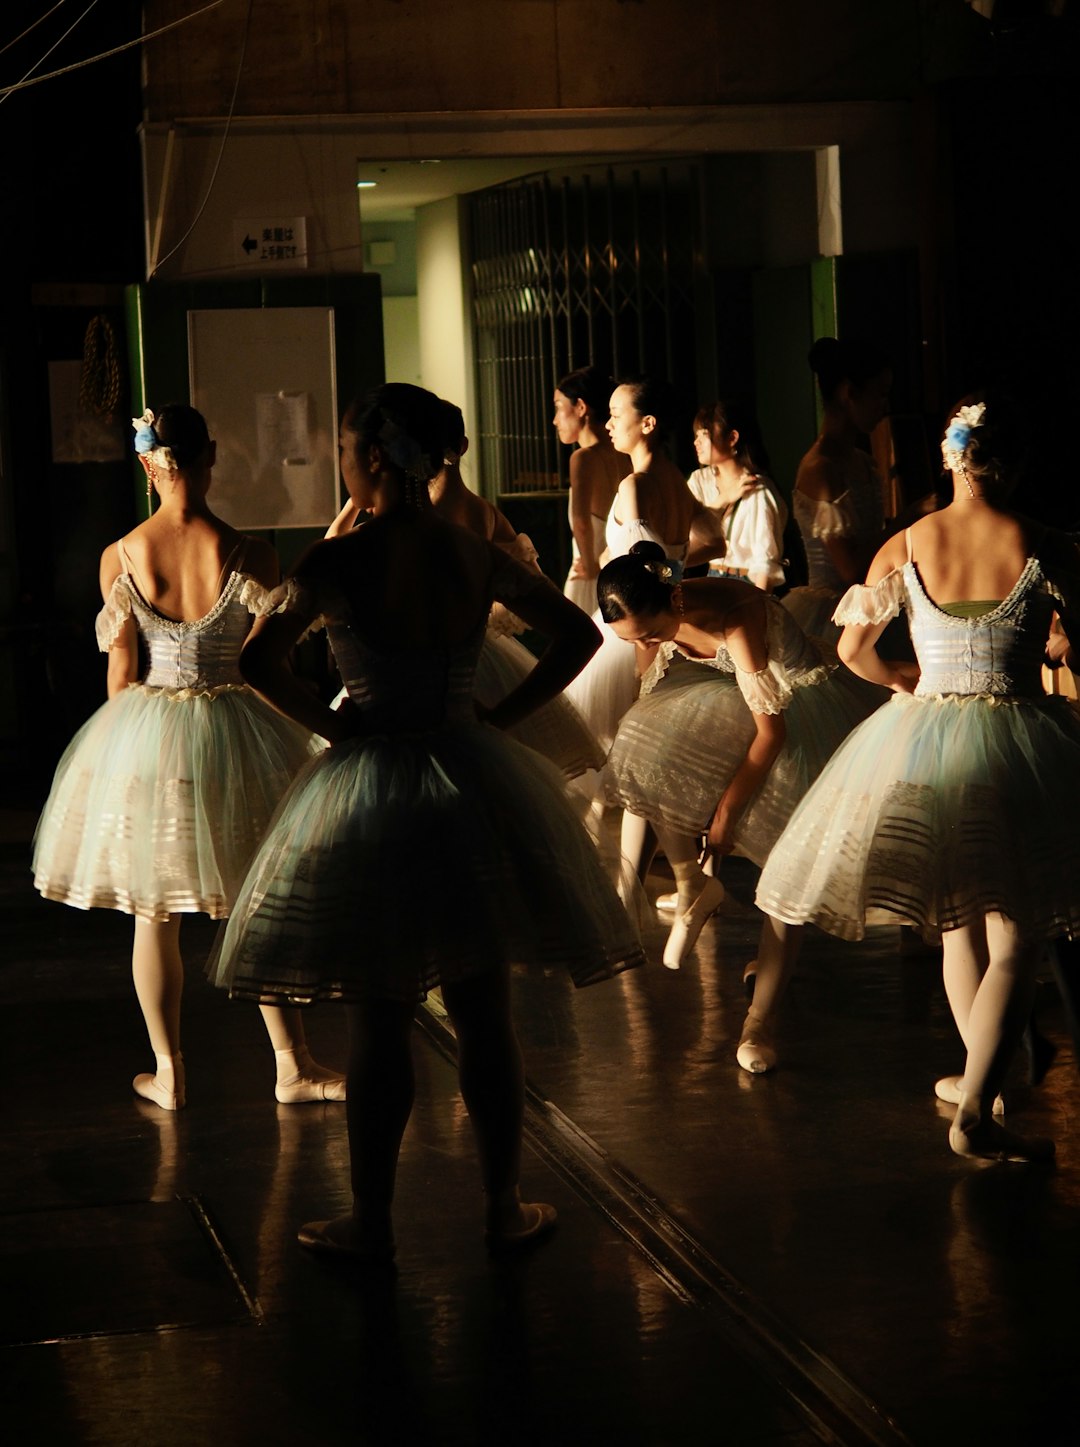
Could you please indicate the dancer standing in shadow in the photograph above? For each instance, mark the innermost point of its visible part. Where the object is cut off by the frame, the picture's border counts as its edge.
(161, 797)
(415, 786)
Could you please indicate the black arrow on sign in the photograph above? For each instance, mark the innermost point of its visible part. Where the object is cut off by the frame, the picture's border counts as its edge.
(248, 245)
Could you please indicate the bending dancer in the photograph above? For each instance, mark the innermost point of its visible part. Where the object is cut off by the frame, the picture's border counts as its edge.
(738, 714)
(731, 481)
(653, 503)
(581, 413)
(329, 907)
(161, 797)
(950, 808)
(837, 497)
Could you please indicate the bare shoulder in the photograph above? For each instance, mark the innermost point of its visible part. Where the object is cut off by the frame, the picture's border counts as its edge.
(891, 555)
(109, 569)
(817, 477)
(261, 561)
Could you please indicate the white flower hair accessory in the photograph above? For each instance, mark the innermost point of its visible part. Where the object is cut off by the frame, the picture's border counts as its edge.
(958, 434)
(405, 452)
(148, 444)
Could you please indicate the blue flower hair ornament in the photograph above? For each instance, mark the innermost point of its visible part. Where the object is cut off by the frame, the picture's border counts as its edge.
(146, 439)
(958, 433)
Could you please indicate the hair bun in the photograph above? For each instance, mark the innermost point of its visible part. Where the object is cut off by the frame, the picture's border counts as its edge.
(647, 551)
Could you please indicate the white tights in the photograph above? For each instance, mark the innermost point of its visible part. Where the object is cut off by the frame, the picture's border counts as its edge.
(989, 973)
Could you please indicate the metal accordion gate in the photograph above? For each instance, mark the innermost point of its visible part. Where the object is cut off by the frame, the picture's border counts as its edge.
(600, 267)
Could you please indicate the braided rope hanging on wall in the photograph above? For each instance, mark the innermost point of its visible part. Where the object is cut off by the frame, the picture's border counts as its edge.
(101, 385)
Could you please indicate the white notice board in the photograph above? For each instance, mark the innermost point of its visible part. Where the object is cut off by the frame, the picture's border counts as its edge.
(264, 380)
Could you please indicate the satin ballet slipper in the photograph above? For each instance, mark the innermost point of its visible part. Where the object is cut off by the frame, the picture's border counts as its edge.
(538, 1220)
(158, 1089)
(755, 1052)
(302, 1080)
(668, 903)
(950, 1088)
(985, 1140)
(691, 922)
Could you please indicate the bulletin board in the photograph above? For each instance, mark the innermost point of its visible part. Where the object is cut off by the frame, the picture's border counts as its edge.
(264, 379)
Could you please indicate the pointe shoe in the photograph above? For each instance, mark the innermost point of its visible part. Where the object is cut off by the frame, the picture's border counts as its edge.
(149, 1087)
(755, 1052)
(540, 1219)
(951, 1087)
(339, 1238)
(668, 903)
(688, 926)
(988, 1141)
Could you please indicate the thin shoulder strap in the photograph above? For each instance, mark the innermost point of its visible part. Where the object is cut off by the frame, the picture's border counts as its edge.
(910, 549)
(128, 567)
(234, 562)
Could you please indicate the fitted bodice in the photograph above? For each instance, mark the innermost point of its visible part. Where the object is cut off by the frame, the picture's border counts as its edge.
(856, 515)
(407, 692)
(1000, 652)
(202, 655)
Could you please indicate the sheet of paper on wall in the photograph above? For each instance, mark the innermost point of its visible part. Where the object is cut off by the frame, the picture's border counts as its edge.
(286, 448)
(79, 435)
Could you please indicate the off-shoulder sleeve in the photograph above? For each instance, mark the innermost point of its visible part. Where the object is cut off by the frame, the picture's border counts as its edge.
(293, 596)
(501, 621)
(835, 519)
(872, 604)
(116, 612)
(766, 691)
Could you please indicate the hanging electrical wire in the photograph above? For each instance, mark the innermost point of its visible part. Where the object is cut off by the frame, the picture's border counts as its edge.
(32, 26)
(221, 149)
(26, 82)
(9, 90)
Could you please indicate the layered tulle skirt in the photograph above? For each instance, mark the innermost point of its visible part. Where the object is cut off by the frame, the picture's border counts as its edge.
(160, 799)
(679, 746)
(935, 812)
(607, 685)
(555, 730)
(399, 862)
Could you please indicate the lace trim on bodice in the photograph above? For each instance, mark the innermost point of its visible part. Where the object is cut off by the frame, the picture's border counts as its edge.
(767, 690)
(125, 600)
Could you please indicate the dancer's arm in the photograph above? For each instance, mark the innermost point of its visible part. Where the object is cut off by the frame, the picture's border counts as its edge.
(345, 521)
(858, 642)
(123, 658)
(574, 638)
(745, 639)
(582, 467)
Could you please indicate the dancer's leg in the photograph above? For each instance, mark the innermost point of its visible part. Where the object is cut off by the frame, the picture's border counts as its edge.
(157, 971)
(965, 957)
(698, 894)
(380, 1099)
(299, 1077)
(492, 1078)
(637, 843)
(995, 1023)
(778, 949)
